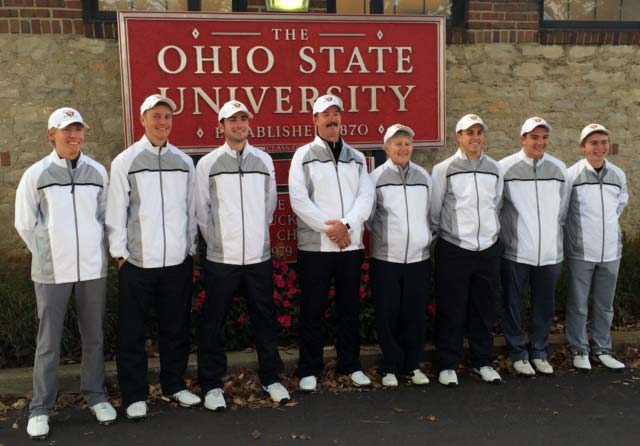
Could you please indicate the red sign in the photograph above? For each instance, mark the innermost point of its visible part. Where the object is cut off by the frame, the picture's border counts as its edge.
(284, 245)
(386, 69)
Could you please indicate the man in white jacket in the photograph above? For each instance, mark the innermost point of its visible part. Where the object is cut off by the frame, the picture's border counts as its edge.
(593, 243)
(236, 198)
(60, 206)
(534, 205)
(467, 188)
(151, 224)
(331, 195)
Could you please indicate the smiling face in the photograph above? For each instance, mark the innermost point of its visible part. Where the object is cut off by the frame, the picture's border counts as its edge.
(329, 123)
(236, 130)
(596, 148)
(471, 141)
(157, 123)
(535, 142)
(399, 149)
(68, 141)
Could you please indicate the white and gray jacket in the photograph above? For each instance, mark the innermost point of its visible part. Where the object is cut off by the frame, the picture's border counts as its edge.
(465, 201)
(60, 216)
(151, 213)
(399, 224)
(322, 188)
(533, 210)
(236, 198)
(597, 199)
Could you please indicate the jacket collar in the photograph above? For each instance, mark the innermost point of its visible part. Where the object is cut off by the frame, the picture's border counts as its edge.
(460, 154)
(55, 158)
(147, 145)
(588, 166)
(391, 165)
(234, 153)
(530, 161)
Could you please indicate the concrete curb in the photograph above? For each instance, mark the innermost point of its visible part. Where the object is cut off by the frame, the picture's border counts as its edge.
(19, 381)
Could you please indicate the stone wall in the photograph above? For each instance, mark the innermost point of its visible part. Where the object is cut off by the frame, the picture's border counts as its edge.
(570, 86)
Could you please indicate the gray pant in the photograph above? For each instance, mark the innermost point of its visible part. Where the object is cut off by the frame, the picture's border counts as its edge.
(600, 279)
(52, 300)
(543, 281)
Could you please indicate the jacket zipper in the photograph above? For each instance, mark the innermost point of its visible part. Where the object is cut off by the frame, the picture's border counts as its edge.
(406, 206)
(335, 164)
(475, 180)
(600, 177)
(241, 201)
(535, 181)
(75, 217)
(164, 234)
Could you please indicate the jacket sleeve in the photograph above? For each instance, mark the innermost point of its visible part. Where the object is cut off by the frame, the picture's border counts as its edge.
(203, 197)
(438, 180)
(361, 209)
(623, 197)
(102, 200)
(565, 196)
(373, 177)
(191, 209)
(117, 209)
(26, 210)
(272, 196)
(304, 208)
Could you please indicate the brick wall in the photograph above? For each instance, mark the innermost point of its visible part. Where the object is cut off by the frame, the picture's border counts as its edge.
(49, 17)
(485, 21)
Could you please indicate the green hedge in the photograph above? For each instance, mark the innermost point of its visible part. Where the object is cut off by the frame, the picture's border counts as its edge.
(18, 320)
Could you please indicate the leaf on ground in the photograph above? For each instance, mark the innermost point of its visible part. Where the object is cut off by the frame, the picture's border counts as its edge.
(256, 434)
(239, 401)
(301, 437)
(430, 418)
(20, 404)
(15, 425)
(401, 410)
(292, 403)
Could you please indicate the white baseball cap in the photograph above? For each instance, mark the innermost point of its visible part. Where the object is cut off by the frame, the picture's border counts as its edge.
(395, 128)
(154, 100)
(592, 128)
(532, 123)
(326, 101)
(64, 117)
(469, 121)
(230, 108)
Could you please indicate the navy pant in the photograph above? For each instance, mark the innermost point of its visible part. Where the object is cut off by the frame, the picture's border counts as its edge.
(317, 270)
(401, 294)
(466, 290)
(222, 281)
(543, 281)
(169, 290)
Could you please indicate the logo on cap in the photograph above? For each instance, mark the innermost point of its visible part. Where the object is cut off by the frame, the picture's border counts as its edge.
(237, 104)
(328, 99)
(537, 120)
(473, 117)
(70, 113)
(593, 126)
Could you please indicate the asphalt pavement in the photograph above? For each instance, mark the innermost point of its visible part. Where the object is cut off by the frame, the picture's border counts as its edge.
(570, 408)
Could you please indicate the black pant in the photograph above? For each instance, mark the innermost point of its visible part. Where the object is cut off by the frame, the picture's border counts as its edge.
(317, 269)
(169, 289)
(466, 289)
(401, 293)
(222, 281)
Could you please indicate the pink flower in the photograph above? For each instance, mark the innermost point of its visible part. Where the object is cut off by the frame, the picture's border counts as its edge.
(277, 297)
(202, 296)
(276, 264)
(365, 278)
(365, 266)
(332, 293)
(286, 303)
(196, 273)
(279, 282)
(432, 309)
(241, 320)
(292, 292)
(363, 293)
(285, 321)
(285, 268)
(327, 315)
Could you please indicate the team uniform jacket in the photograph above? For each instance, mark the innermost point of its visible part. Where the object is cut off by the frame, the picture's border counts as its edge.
(465, 201)
(597, 199)
(60, 216)
(151, 210)
(534, 206)
(399, 224)
(322, 188)
(236, 198)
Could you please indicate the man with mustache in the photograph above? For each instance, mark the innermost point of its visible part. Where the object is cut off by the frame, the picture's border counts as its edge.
(332, 196)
